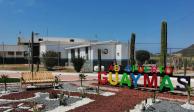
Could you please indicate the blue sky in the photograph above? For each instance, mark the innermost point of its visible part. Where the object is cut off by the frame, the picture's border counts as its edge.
(99, 19)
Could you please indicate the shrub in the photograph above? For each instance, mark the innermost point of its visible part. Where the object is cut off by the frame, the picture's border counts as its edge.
(5, 79)
(50, 59)
(10, 80)
(78, 63)
(142, 56)
(152, 61)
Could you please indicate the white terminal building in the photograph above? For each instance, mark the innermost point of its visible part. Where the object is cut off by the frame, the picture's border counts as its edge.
(69, 48)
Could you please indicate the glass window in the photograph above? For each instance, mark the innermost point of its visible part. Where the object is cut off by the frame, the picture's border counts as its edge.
(18, 53)
(10, 53)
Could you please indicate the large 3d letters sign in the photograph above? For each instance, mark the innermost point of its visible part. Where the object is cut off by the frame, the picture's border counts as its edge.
(150, 75)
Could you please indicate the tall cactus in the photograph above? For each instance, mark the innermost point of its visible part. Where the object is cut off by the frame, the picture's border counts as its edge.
(163, 49)
(132, 49)
(185, 66)
(163, 52)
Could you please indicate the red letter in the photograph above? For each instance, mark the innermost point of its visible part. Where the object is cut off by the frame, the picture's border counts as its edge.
(168, 70)
(153, 81)
(154, 69)
(111, 68)
(100, 81)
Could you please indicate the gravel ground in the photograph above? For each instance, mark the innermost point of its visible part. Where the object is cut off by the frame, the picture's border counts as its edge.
(11, 89)
(167, 106)
(52, 104)
(73, 88)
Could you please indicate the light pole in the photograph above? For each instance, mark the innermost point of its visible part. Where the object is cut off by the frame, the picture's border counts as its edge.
(32, 53)
(3, 54)
(58, 51)
(91, 65)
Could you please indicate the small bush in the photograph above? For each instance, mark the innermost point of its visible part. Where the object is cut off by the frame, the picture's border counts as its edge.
(10, 80)
(50, 59)
(78, 63)
(142, 56)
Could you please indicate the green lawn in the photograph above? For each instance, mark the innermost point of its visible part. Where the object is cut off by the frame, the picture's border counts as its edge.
(10, 80)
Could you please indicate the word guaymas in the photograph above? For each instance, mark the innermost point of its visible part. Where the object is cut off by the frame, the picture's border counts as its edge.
(132, 74)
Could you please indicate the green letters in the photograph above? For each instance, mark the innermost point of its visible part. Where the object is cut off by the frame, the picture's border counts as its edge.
(125, 80)
(169, 85)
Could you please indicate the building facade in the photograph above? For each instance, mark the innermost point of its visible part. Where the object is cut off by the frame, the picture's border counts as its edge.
(13, 54)
(57, 44)
(67, 48)
(110, 51)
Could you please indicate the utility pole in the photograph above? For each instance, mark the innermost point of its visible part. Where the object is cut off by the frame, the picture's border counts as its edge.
(58, 51)
(29, 54)
(3, 55)
(32, 53)
(99, 67)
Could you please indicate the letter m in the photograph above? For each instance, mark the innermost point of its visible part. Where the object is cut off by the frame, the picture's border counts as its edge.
(152, 83)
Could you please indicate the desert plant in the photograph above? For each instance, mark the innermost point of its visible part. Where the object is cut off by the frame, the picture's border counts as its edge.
(49, 59)
(142, 56)
(78, 64)
(163, 49)
(132, 49)
(35, 108)
(154, 97)
(5, 79)
(82, 77)
(62, 100)
(189, 90)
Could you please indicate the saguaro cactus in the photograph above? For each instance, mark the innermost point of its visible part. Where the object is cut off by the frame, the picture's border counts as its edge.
(185, 67)
(163, 52)
(132, 49)
(163, 49)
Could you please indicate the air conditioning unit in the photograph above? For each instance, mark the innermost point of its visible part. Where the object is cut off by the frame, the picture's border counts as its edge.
(96, 68)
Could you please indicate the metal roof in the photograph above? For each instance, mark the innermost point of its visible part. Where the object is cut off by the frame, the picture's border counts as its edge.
(13, 48)
(93, 44)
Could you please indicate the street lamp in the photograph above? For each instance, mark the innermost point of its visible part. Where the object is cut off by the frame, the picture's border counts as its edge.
(32, 51)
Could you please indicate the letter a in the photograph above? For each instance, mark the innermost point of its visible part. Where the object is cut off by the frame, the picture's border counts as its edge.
(125, 80)
(169, 85)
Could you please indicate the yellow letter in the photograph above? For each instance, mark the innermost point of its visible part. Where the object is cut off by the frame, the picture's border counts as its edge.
(116, 78)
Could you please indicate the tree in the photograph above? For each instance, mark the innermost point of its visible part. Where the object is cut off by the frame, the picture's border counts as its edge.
(5, 79)
(142, 56)
(78, 63)
(50, 59)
